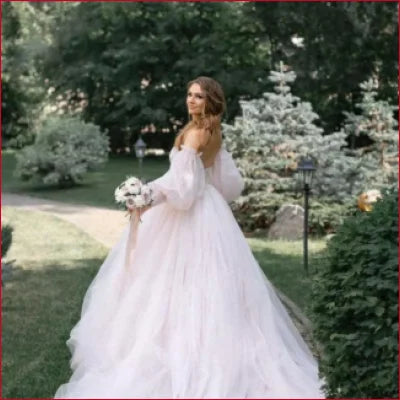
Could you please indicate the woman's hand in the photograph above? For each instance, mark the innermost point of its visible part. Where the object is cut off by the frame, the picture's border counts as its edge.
(138, 212)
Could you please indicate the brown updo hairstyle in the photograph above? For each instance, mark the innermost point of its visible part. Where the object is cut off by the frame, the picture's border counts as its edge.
(215, 106)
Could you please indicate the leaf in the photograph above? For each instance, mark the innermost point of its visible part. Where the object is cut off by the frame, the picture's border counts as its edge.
(379, 311)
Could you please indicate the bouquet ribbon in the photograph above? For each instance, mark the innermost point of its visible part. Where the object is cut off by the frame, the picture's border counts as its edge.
(132, 238)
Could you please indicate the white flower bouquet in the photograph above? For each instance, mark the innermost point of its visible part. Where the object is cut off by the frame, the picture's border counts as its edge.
(133, 193)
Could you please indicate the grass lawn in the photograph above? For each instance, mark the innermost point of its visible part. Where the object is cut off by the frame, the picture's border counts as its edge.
(282, 263)
(42, 301)
(97, 188)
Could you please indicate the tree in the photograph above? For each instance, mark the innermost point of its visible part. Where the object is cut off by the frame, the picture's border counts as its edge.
(275, 132)
(129, 62)
(379, 160)
(333, 47)
(15, 103)
(25, 39)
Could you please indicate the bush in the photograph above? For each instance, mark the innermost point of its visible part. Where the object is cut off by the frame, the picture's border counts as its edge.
(354, 304)
(64, 150)
(326, 216)
(6, 239)
(258, 214)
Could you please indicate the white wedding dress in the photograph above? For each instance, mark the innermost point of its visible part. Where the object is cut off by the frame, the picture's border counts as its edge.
(193, 316)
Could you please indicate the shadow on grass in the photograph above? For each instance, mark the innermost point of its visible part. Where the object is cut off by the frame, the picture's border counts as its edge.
(286, 272)
(39, 309)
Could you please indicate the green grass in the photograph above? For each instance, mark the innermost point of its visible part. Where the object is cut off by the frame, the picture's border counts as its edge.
(98, 186)
(54, 264)
(282, 263)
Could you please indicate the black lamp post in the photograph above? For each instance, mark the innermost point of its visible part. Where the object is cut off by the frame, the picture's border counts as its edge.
(140, 151)
(305, 171)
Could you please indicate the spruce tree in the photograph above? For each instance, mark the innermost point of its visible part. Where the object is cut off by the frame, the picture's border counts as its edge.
(269, 139)
(378, 160)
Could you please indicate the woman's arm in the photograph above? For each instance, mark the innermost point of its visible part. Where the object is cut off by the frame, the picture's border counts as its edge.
(226, 177)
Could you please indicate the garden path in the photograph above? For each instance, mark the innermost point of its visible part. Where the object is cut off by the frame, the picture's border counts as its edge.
(103, 224)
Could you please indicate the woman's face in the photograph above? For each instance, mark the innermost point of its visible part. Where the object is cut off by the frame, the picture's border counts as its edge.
(195, 100)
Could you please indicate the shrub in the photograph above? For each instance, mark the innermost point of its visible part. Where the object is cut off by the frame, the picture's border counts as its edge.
(258, 214)
(354, 304)
(6, 239)
(64, 150)
(326, 216)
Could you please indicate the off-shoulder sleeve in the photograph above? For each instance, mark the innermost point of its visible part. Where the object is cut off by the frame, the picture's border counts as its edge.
(183, 182)
(225, 176)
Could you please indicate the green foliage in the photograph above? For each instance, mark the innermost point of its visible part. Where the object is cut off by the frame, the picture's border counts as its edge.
(22, 87)
(14, 100)
(130, 62)
(333, 57)
(326, 216)
(64, 150)
(6, 239)
(255, 212)
(127, 64)
(376, 124)
(355, 306)
(275, 132)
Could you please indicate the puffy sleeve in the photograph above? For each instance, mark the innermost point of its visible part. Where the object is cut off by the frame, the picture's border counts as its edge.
(225, 176)
(183, 182)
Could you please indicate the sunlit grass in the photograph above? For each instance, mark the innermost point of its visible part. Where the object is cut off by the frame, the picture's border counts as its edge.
(54, 263)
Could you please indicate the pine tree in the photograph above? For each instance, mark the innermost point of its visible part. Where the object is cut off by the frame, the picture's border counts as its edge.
(269, 140)
(379, 160)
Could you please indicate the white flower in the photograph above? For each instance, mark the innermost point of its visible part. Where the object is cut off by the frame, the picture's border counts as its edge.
(119, 198)
(133, 185)
(134, 189)
(139, 201)
(133, 193)
(133, 181)
(146, 190)
(119, 195)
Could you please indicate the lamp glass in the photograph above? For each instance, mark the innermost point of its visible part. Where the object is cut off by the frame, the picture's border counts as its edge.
(306, 171)
(308, 177)
(140, 148)
(139, 152)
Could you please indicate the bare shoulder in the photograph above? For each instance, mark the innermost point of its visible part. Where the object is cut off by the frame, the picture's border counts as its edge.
(196, 138)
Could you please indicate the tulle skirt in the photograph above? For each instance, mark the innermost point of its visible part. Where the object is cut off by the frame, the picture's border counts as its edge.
(192, 316)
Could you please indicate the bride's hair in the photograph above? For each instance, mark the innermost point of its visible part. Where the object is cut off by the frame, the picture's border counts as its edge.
(211, 119)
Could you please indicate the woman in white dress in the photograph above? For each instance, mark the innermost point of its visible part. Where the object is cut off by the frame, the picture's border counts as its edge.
(192, 315)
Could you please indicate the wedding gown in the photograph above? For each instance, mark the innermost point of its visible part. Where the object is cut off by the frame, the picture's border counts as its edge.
(193, 316)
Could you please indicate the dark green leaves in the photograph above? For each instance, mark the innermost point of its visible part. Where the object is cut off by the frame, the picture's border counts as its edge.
(355, 304)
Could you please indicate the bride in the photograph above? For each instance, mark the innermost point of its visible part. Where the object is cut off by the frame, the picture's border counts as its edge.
(192, 315)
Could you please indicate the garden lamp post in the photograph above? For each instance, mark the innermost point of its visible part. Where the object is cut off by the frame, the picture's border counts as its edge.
(140, 151)
(305, 171)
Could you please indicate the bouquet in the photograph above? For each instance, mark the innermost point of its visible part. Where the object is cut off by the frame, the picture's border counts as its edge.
(133, 194)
